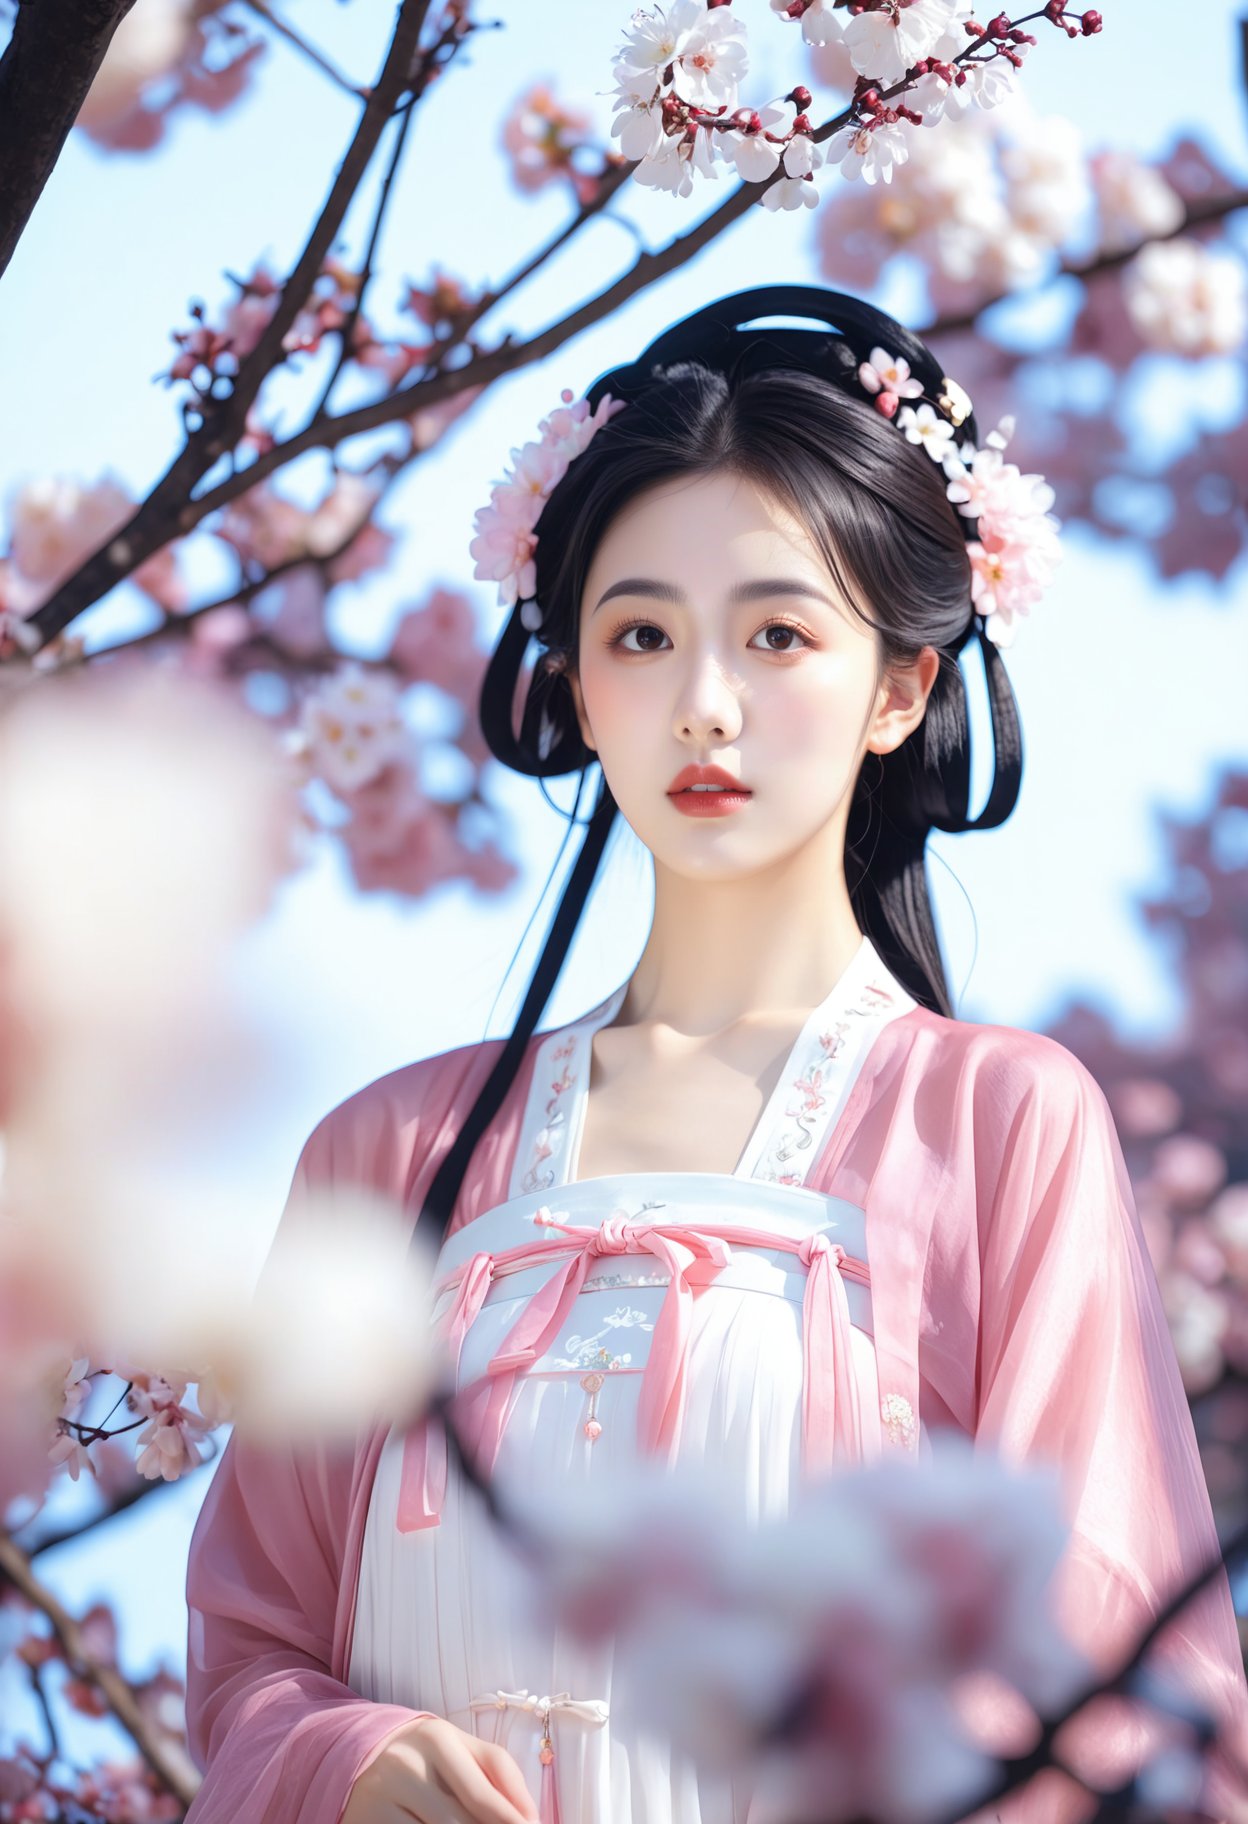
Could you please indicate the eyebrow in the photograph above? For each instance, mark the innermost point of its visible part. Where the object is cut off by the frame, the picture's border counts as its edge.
(760, 590)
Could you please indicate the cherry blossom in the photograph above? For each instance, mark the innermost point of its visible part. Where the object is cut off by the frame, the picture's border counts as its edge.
(1044, 164)
(923, 425)
(809, 1683)
(885, 373)
(752, 148)
(149, 41)
(888, 41)
(505, 539)
(673, 165)
(164, 53)
(1186, 298)
(796, 188)
(540, 135)
(1136, 201)
(171, 1441)
(871, 151)
(713, 58)
(638, 126)
(1013, 558)
(353, 726)
(819, 22)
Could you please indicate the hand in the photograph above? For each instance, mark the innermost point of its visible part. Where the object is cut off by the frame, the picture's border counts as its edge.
(439, 1774)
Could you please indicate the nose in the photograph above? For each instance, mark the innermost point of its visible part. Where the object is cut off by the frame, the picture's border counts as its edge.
(708, 706)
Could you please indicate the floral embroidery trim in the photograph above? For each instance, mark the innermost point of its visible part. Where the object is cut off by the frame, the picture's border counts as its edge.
(825, 1073)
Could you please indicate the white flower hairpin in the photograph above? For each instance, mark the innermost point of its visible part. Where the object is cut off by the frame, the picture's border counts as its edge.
(1016, 546)
(1013, 554)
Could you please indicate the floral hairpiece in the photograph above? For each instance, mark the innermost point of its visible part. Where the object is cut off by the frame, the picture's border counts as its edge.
(1016, 546)
(505, 539)
(1012, 555)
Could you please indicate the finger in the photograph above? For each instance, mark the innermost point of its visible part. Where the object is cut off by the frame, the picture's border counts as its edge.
(483, 1801)
(502, 1769)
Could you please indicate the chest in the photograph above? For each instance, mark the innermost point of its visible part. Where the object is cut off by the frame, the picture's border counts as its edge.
(689, 1113)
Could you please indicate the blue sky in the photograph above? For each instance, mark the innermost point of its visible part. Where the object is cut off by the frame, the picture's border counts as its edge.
(1131, 694)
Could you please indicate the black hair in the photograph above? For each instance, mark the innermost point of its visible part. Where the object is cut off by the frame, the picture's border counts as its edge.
(783, 408)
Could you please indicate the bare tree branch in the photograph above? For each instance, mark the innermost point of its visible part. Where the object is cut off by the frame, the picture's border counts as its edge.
(170, 1763)
(48, 65)
(224, 421)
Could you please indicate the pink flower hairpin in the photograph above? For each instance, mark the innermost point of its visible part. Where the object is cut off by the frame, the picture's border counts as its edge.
(505, 539)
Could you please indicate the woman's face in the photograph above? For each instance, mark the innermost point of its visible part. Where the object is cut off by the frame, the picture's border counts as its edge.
(712, 633)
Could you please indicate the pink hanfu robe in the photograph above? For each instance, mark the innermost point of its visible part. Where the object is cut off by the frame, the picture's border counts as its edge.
(931, 1226)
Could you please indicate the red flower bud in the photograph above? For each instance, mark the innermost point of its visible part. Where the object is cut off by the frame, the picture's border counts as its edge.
(973, 29)
(887, 403)
(870, 99)
(1054, 10)
(1092, 22)
(801, 124)
(1000, 25)
(801, 98)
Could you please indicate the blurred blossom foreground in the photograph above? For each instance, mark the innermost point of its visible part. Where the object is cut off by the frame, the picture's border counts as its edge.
(145, 822)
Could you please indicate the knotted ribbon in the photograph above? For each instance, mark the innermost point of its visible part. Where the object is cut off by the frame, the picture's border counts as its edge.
(831, 1421)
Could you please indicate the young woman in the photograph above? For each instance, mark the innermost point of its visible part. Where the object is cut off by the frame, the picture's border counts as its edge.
(769, 1206)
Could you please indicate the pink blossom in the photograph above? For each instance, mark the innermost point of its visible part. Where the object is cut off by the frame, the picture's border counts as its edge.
(505, 541)
(436, 643)
(890, 374)
(836, 1687)
(539, 136)
(169, 1444)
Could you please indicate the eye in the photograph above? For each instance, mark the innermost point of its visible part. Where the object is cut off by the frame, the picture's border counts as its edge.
(793, 627)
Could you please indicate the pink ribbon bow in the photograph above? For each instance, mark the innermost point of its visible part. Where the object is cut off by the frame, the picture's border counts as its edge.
(831, 1421)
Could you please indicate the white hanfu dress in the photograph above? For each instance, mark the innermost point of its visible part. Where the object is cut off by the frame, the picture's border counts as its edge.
(718, 1319)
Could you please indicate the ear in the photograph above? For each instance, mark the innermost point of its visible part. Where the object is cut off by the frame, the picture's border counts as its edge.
(902, 702)
(574, 685)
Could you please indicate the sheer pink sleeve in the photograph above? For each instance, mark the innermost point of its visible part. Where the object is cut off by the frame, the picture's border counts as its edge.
(1076, 1366)
(278, 1739)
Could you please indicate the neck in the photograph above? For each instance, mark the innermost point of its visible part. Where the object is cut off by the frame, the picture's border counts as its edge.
(766, 945)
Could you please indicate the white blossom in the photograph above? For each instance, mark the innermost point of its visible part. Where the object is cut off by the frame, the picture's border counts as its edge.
(713, 60)
(1045, 167)
(884, 44)
(1136, 202)
(820, 24)
(638, 126)
(869, 152)
(1186, 298)
(924, 426)
(654, 40)
(754, 155)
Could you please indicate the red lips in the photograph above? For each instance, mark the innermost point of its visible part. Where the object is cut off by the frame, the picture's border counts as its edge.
(704, 775)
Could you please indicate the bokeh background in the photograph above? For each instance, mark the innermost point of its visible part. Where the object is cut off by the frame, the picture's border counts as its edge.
(1112, 909)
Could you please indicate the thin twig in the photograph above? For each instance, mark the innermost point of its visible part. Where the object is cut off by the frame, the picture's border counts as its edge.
(309, 50)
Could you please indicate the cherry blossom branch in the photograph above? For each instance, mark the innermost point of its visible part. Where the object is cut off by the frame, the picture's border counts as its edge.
(1016, 1771)
(285, 30)
(1019, 1769)
(170, 1766)
(168, 508)
(456, 31)
(509, 357)
(48, 65)
(1199, 213)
